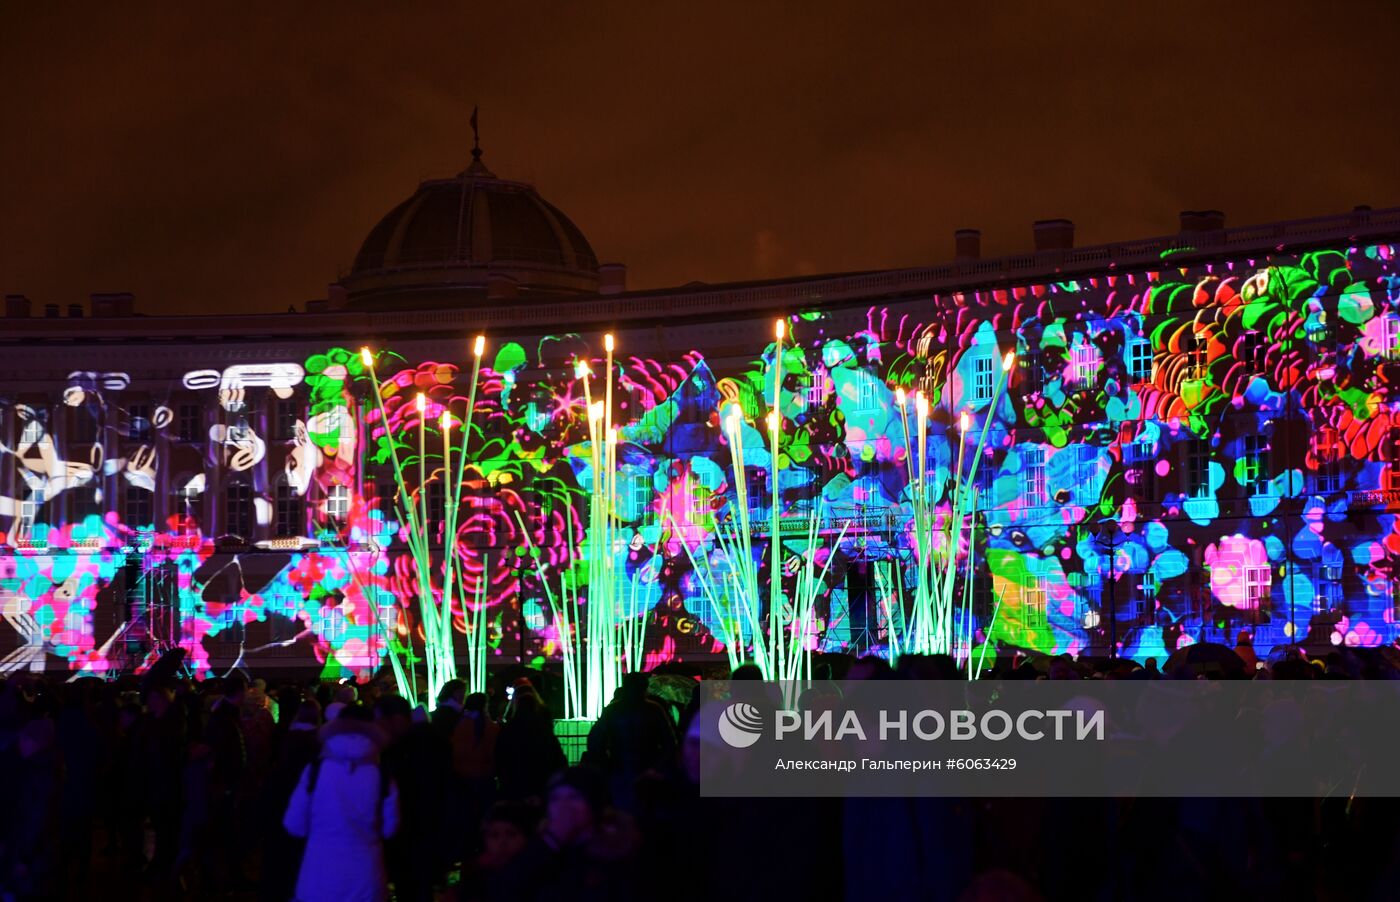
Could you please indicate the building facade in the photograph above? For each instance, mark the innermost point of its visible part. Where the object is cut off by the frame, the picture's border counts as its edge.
(1197, 438)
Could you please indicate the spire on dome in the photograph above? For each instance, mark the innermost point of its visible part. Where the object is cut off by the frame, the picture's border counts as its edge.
(477, 167)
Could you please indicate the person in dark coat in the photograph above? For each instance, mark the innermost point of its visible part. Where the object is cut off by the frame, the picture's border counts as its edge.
(28, 863)
(527, 751)
(84, 753)
(451, 701)
(419, 761)
(282, 851)
(159, 746)
(227, 764)
(632, 736)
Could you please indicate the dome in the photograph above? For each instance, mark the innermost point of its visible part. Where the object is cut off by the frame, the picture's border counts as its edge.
(463, 237)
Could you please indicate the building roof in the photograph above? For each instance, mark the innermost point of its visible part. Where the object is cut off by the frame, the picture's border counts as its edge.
(956, 283)
(453, 237)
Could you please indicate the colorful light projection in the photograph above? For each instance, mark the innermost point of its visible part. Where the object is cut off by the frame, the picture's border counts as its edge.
(1233, 423)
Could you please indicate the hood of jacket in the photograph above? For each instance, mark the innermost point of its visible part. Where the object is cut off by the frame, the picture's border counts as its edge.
(351, 741)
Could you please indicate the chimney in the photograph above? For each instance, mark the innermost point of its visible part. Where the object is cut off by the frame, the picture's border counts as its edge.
(499, 287)
(75, 311)
(612, 278)
(16, 306)
(967, 244)
(116, 303)
(1360, 214)
(319, 305)
(336, 295)
(1054, 235)
(50, 311)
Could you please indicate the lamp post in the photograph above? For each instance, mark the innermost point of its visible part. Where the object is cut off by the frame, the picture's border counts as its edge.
(1108, 537)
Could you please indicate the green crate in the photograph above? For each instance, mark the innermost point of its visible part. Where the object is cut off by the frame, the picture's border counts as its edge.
(573, 736)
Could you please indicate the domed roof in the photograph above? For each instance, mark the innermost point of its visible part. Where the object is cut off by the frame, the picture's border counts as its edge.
(455, 236)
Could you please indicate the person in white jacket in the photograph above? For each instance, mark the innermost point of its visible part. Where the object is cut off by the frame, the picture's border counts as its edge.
(345, 808)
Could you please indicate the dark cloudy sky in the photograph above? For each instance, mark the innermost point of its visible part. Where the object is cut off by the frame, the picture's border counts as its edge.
(235, 160)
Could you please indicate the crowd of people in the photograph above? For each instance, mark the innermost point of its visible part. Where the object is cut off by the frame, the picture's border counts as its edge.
(158, 786)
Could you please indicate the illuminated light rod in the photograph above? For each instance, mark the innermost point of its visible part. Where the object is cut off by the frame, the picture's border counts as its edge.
(437, 611)
(936, 612)
(474, 609)
(781, 642)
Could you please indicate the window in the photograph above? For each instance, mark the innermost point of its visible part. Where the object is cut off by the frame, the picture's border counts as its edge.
(697, 503)
(758, 492)
(1032, 373)
(190, 420)
(1145, 598)
(1034, 475)
(286, 604)
(982, 370)
(1392, 455)
(1390, 337)
(380, 496)
(635, 489)
(1254, 466)
(83, 503)
(291, 512)
(284, 426)
(1327, 587)
(1140, 360)
(29, 507)
(333, 625)
(238, 511)
(1197, 357)
(1142, 469)
(1256, 586)
(983, 598)
(137, 506)
(537, 415)
(184, 502)
(138, 422)
(867, 491)
(1095, 616)
(388, 613)
(630, 400)
(865, 393)
(986, 476)
(1197, 469)
(1327, 454)
(238, 430)
(1250, 345)
(816, 391)
(33, 432)
(539, 504)
(436, 500)
(1084, 363)
(1033, 600)
(338, 501)
(1086, 466)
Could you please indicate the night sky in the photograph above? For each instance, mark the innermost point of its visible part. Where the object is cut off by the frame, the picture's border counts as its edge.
(234, 162)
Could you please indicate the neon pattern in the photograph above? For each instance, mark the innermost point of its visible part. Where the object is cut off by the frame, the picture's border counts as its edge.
(1174, 456)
